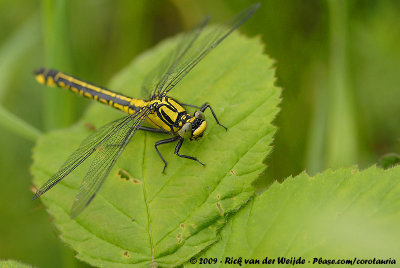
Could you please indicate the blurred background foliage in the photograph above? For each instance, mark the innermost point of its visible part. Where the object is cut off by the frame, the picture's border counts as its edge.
(338, 63)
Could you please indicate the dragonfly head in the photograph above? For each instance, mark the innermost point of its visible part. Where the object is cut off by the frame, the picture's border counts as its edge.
(194, 128)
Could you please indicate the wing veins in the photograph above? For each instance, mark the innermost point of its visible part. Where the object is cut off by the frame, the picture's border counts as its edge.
(86, 148)
(212, 40)
(191, 49)
(102, 164)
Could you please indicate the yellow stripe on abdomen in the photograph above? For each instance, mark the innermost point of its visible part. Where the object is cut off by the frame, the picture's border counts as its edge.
(53, 78)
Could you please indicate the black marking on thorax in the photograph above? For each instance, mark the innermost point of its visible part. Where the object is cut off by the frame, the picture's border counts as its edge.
(181, 117)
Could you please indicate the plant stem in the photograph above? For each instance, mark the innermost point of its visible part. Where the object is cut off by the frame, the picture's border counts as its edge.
(59, 106)
(341, 129)
(15, 47)
(24, 39)
(317, 133)
(18, 126)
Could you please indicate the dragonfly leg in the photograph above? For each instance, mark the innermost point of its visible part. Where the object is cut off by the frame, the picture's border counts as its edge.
(155, 130)
(150, 129)
(164, 142)
(205, 106)
(178, 147)
(190, 105)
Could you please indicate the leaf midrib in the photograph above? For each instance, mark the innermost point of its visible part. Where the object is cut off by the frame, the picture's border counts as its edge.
(146, 201)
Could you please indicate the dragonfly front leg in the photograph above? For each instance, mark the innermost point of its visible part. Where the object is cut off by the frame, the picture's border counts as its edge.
(203, 108)
(154, 130)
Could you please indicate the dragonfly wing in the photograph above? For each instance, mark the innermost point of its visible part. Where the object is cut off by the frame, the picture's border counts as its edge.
(155, 80)
(193, 47)
(87, 147)
(105, 157)
(204, 44)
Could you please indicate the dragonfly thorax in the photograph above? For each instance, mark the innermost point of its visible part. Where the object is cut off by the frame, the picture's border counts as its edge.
(168, 114)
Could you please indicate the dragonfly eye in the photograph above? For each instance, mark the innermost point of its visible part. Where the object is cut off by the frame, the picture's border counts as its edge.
(199, 115)
(186, 131)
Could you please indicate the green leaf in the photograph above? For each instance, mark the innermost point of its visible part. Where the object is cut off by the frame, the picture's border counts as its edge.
(336, 214)
(389, 160)
(142, 216)
(13, 264)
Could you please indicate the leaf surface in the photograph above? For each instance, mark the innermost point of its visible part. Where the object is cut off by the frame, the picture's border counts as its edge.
(343, 214)
(144, 217)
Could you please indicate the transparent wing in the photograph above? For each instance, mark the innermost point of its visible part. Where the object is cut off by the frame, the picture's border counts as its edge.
(105, 157)
(156, 79)
(87, 147)
(192, 48)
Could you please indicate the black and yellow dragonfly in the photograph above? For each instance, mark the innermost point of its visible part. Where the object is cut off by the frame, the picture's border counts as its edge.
(165, 114)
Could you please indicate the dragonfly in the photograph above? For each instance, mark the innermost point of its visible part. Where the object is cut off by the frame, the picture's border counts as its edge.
(163, 113)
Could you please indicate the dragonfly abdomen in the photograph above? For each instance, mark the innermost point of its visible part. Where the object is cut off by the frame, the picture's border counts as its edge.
(53, 77)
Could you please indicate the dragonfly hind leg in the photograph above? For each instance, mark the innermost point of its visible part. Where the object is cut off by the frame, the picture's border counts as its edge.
(205, 106)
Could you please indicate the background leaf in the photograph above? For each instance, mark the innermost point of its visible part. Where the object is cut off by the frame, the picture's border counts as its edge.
(336, 214)
(13, 264)
(146, 217)
(389, 160)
